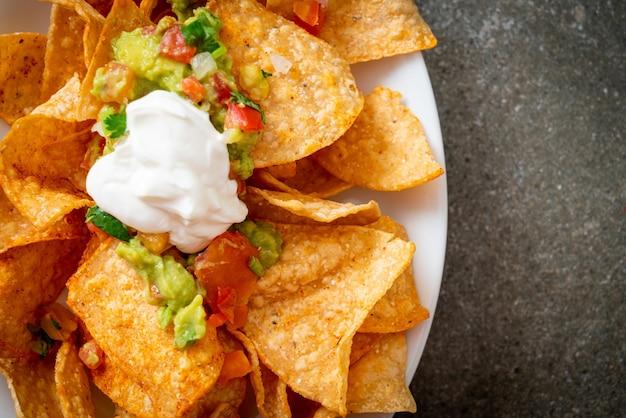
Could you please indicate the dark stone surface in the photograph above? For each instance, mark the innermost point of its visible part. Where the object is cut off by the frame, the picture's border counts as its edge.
(531, 318)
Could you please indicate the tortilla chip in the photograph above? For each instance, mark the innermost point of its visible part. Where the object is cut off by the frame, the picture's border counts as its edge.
(361, 344)
(28, 176)
(316, 209)
(72, 383)
(312, 179)
(32, 387)
(63, 104)
(230, 393)
(127, 393)
(369, 30)
(385, 149)
(377, 382)
(21, 70)
(108, 295)
(310, 105)
(124, 16)
(32, 276)
(307, 348)
(400, 308)
(63, 58)
(94, 22)
(17, 230)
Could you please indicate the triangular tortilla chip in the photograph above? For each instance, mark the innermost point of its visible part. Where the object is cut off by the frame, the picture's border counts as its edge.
(94, 22)
(108, 295)
(304, 345)
(400, 308)
(17, 230)
(377, 382)
(305, 209)
(32, 276)
(72, 383)
(63, 57)
(385, 149)
(32, 387)
(312, 179)
(369, 30)
(28, 176)
(63, 104)
(21, 72)
(310, 105)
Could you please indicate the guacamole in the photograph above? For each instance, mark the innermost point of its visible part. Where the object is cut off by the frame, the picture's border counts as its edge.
(170, 286)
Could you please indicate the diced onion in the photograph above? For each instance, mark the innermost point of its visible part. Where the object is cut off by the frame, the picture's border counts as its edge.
(281, 64)
(202, 64)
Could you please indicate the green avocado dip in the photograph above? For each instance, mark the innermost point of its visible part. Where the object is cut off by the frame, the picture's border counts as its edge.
(170, 286)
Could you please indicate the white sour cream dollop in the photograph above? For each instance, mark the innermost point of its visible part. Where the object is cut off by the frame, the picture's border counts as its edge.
(170, 174)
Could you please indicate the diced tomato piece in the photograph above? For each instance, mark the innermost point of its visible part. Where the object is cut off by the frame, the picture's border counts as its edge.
(217, 319)
(243, 117)
(310, 15)
(193, 88)
(173, 46)
(236, 364)
(222, 89)
(223, 271)
(116, 83)
(91, 354)
(226, 301)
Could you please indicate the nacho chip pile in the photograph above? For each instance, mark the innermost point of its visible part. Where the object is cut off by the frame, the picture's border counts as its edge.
(325, 330)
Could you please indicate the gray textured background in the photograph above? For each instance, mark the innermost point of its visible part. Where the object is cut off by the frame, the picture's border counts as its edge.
(531, 317)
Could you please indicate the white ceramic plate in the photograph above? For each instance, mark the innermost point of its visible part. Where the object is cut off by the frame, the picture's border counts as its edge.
(423, 210)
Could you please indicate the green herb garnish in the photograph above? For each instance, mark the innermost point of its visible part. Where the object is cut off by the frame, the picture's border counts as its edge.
(108, 223)
(239, 98)
(114, 125)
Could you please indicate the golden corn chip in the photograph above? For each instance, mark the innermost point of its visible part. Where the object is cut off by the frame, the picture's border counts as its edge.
(63, 104)
(260, 377)
(369, 30)
(127, 393)
(108, 295)
(64, 56)
(72, 383)
(28, 174)
(377, 382)
(308, 347)
(400, 308)
(282, 171)
(314, 180)
(361, 344)
(310, 104)
(32, 387)
(21, 70)
(319, 210)
(122, 413)
(385, 149)
(125, 15)
(94, 22)
(67, 156)
(17, 230)
(264, 179)
(32, 276)
(230, 393)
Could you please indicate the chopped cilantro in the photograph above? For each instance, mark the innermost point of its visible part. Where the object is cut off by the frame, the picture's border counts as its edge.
(265, 73)
(114, 125)
(202, 31)
(42, 343)
(108, 223)
(239, 98)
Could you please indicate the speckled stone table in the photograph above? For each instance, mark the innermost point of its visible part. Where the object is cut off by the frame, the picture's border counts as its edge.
(531, 318)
